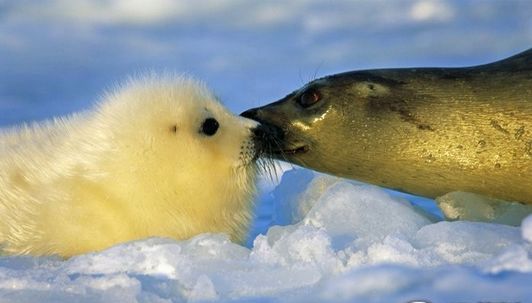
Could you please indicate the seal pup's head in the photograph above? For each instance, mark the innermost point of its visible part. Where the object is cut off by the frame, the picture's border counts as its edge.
(184, 117)
(176, 155)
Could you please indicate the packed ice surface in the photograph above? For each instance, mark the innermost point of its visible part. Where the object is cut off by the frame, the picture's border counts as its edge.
(342, 242)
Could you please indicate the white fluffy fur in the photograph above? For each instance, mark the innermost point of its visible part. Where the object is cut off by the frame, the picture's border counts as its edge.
(119, 172)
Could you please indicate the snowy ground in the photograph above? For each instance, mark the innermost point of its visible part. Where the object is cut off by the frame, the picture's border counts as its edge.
(347, 243)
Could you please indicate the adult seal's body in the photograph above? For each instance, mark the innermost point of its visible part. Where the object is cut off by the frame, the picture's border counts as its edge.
(427, 131)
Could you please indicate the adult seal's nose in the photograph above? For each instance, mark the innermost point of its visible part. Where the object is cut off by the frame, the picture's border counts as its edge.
(250, 114)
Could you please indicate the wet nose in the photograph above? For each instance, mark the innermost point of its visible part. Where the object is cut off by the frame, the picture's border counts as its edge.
(260, 132)
(266, 132)
(250, 114)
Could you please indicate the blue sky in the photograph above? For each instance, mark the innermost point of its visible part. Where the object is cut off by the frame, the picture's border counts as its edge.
(57, 56)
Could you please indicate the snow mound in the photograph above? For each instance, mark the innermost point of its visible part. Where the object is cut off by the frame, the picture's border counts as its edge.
(526, 228)
(345, 242)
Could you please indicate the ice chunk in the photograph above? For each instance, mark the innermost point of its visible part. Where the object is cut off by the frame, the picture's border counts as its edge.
(348, 212)
(203, 290)
(465, 242)
(289, 203)
(367, 283)
(515, 258)
(526, 229)
(302, 245)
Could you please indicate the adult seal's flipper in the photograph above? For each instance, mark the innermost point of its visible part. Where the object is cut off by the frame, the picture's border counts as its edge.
(474, 207)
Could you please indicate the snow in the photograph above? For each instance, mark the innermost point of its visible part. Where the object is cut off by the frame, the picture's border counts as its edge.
(526, 228)
(341, 242)
(335, 240)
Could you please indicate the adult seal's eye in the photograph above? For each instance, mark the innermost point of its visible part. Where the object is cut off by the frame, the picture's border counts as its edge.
(210, 126)
(309, 98)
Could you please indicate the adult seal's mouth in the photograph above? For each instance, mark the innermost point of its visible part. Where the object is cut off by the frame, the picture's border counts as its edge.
(291, 150)
(271, 139)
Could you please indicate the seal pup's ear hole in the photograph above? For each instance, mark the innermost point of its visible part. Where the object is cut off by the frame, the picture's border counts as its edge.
(309, 97)
(173, 128)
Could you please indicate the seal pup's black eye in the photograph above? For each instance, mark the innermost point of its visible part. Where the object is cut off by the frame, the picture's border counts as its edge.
(210, 126)
(309, 97)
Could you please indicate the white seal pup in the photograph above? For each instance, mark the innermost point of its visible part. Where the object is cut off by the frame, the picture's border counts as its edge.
(158, 157)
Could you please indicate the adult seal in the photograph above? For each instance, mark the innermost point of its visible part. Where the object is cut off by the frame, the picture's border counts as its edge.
(426, 131)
